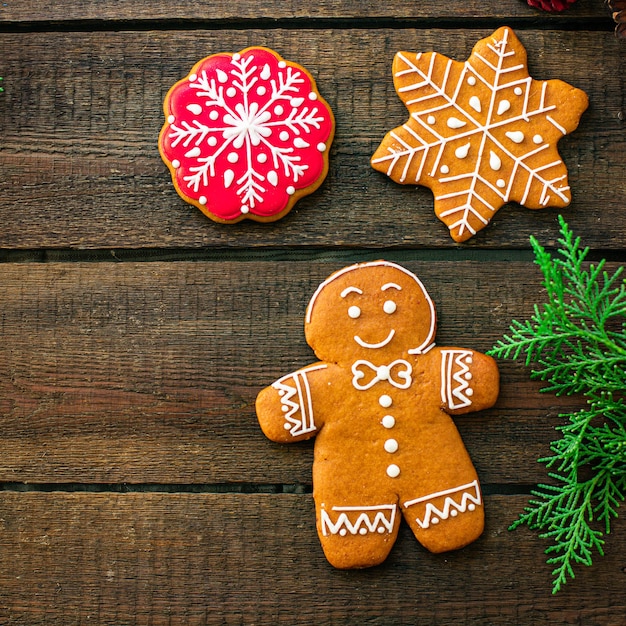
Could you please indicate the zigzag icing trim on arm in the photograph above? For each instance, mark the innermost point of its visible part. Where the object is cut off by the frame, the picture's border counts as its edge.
(296, 401)
(470, 499)
(455, 377)
(369, 519)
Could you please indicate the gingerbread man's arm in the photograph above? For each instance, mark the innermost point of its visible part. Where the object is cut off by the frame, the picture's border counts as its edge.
(286, 409)
(469, 380)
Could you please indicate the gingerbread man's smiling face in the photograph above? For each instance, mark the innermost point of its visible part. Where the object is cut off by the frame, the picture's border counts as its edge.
(374, 311)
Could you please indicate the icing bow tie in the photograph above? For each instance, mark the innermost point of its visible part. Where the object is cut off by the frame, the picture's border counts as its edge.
(366, 374)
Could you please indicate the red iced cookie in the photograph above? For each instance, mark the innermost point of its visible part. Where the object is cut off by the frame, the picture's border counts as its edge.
(246, 135)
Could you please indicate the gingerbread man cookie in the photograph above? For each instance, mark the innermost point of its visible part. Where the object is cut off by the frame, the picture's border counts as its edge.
(379, 402)
(480, 133)
(246, 135)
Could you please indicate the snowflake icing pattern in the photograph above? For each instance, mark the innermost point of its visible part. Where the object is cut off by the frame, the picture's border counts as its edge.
(246, 135)
(480, 133)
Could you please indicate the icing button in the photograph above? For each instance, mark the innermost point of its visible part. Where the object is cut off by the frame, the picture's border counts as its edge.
(385, 401)
(393, 471)
(391, 446)
(389, 421)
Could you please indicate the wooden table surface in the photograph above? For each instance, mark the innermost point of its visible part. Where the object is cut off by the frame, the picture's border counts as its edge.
(135, 484)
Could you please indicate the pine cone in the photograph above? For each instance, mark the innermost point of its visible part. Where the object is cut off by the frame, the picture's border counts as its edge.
(551, 5)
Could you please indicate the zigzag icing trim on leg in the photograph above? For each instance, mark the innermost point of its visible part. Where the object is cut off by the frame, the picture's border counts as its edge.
(383, 519)
(295, 397)
(470, 499)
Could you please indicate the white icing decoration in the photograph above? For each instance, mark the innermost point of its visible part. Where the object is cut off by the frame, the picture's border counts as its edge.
(194, 108)
(389, 421)
(245, 209)
(397, 373)
(431, 119)
(295, 398)
(312, 96)
(390, 307)
(202, 200)
(556, 125)
(321, 146)
(495, 163)
(503, 107)
(231, 92)
(298, 142)
(374, 346)
(261, 157)
(433, 514)
(462, 151)
(455, 122)
(212, 141)
(171, 119)
(232, 157)
(284, 135)
(378, 519)
(282, 65)
(444, 169)
(428, 342)
(193, 78)
(537, 139)
(518, 91)
(391, 446)
(474, 102)
(222, 76)
(501, 183)
(278, 109)
(236, 56)
(296, 102)
(471, 80)
(194, 152)
(261, 90)
(213, 115)
(266, 72)
(229, 176)
(349, 290)
(385, 401)
(393, 471)
(175, 164)
(391, 286)
(354, 312)
(291, 190)
(454, 386)
(272, 177)
(516, 136)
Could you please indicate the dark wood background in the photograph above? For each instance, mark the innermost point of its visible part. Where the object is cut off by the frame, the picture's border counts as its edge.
(135, 484)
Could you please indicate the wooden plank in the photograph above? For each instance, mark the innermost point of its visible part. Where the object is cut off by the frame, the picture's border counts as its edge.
(214, 10)
(148, 372)
(80, 167)
(255, 559)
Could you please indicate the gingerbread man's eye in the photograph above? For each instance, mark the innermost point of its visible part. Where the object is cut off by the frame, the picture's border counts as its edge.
(389, 307)
(354, 312)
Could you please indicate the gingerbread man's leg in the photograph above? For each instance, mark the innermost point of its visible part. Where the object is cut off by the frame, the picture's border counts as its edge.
(445, 508)
(356, 535)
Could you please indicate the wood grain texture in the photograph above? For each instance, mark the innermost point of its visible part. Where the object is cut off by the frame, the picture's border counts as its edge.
(214, 10)
(148, 372)
(79, 165)
(194, 559)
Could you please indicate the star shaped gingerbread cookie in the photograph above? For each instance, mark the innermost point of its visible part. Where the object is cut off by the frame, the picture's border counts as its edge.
(481, 133)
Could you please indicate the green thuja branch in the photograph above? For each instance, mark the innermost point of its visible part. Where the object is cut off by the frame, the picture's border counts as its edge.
(576, 343)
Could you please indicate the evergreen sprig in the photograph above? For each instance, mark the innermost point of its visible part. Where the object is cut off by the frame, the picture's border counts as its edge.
(576, 343)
